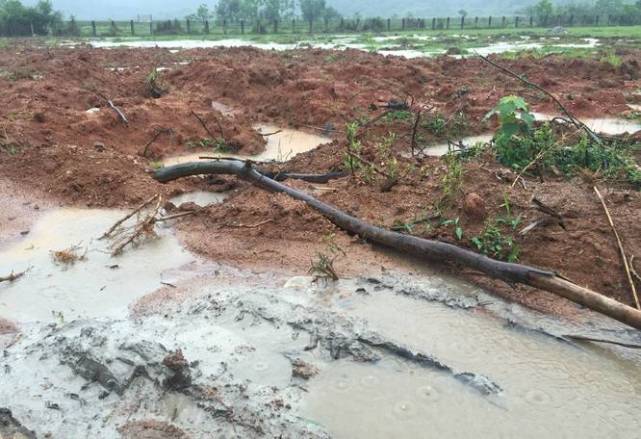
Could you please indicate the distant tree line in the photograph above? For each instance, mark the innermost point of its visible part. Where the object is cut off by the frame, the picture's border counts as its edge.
(17, 19)
(270, 11)
(614, 8)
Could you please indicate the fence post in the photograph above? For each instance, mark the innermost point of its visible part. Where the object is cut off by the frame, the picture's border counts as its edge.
(389, 24)
(462, 21)
(242, 27)
(131, 25)
(293, 25)
(531, 21)
(516, 21)
(447, 23)
(207, 27)
(151, 27)
(503, 21)
(188, 26)
(596, 21)
(489, 22)
(275, 26)
(476, 22)
(571, 22)
(403, 24)
(93, 28)
(326, 20)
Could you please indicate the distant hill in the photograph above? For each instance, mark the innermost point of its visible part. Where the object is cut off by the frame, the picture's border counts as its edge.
(162, 9)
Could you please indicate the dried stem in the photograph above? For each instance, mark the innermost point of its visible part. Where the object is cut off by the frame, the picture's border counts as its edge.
(620, 244)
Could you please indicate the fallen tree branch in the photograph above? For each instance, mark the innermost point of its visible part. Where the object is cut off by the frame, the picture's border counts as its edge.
(626, 266)
(434, 250)
(576, 122)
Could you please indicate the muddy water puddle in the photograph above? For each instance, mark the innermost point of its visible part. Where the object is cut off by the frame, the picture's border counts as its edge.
(282, 144)
(392, 354)
(605, 125)
(549, 388)
(95, 286)
(200, 198)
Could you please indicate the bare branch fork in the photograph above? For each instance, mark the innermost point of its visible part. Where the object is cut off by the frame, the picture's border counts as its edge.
(434, 250)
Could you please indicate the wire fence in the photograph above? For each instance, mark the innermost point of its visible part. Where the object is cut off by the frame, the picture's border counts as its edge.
(147, 27)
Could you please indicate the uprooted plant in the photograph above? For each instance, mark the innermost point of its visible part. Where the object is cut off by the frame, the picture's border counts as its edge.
(154, 85)
(322, 267)
(69, 256)
(145, 217)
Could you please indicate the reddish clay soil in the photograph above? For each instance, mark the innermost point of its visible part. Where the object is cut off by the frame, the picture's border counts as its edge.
(52, 146)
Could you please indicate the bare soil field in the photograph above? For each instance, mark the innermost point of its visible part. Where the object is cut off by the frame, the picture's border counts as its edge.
(61, 140)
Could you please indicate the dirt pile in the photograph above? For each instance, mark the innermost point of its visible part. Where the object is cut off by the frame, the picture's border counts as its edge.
(58, 136)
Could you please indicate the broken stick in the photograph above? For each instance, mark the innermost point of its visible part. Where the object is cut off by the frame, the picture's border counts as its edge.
(434, 250)
(12, 277)
(626, 265)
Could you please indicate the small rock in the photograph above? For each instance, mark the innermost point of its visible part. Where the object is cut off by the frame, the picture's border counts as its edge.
(474, 206)
(99, 146)
(39, 117)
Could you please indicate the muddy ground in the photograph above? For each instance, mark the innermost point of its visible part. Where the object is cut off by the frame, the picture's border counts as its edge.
(54, 147)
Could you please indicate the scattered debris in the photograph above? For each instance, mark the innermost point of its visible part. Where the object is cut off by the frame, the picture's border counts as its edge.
(69, 256)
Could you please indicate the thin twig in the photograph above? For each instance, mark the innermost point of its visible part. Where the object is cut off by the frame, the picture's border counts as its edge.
(633, 270)
(576, 122)
(620, 244)
(143, 226)
(204, 125)
(178, 215)
(417, 121)
(372, 165)
(154, 138)
(600, 340)
(118, 112)
(271, 134)
(129, 215)
(528, 166)
(250, 226)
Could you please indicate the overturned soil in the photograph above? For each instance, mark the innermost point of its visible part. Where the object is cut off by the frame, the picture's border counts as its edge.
(60, 138)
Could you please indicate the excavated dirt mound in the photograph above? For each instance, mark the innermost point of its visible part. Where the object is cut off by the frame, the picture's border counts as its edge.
(58, 136)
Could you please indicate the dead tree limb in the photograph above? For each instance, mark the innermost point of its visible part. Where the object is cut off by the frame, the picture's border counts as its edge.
(204, 125)
(434, 250)
(576, 122)
(626, 265)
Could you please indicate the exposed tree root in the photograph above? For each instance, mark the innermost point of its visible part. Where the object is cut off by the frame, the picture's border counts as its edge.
(434, 250)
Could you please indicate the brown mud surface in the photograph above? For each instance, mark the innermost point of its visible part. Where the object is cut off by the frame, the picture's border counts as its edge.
(51, 145)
